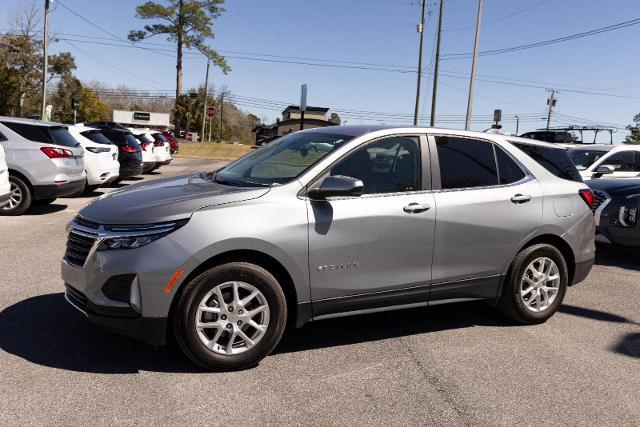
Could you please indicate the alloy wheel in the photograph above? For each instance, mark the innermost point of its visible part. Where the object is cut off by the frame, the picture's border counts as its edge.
(15, 196)
(232, 318)
(540, 284)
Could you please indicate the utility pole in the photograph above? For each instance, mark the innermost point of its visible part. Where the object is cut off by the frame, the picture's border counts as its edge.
(45, 59)
(551, 102)
(221, 111)
(421, 31)
(517, 124)
(474, 63)
(204, 101)
(210, 119)
(434, 93)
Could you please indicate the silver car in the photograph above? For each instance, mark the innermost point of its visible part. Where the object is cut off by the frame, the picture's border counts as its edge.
(388, 218)
(45, 162)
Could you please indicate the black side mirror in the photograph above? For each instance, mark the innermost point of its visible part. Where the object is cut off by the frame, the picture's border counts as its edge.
(338, 185)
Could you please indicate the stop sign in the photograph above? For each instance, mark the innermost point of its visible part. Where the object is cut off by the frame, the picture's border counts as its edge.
(211, 111)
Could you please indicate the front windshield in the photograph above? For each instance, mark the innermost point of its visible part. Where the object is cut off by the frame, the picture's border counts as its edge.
(282, 160)
(585, 158)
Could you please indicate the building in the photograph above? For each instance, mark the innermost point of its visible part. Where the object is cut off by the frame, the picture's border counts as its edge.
(141, 119)
(314, 117)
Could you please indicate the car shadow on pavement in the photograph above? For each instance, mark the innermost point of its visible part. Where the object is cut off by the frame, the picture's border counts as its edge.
(391, 324)
(46, 209)
(594, 314)
(629, 345)
(46, 330)
(628, 258)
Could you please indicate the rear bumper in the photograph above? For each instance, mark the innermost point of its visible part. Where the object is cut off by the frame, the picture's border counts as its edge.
(53, 191)
(149, 329)
(164, 163)
(129, 170)
(582, 271)
(147, 166)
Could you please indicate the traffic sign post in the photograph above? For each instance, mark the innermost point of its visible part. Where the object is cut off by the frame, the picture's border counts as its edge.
(303, 104)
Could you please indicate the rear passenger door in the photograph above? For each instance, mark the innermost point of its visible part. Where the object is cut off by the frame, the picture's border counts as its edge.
(487, 206)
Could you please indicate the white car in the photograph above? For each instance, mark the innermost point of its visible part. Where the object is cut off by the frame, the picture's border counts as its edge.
(5, 194)
(148, 148)
(612, 161)
(100, 156)
(162, 148)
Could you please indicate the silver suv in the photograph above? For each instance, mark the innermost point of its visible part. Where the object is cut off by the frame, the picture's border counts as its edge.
(332, 222)
(45, 162)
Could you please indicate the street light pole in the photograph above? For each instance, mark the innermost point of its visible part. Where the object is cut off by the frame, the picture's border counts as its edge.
(45, 59)
(421, 31)
(434, 93)
(474, 63)
(204, 102)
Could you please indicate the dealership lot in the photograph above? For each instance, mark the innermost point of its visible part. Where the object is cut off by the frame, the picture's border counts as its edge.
(453, 364)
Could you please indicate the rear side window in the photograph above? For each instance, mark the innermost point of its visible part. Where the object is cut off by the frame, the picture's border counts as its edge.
(30, 132)
(508, 170)
(555, 160)
(131, 141)
(2, 137)
(96, 136)
(61, 136)
(159, 137)
(466, 162)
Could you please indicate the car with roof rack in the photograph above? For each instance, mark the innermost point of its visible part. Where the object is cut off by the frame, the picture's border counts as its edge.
(388, 218)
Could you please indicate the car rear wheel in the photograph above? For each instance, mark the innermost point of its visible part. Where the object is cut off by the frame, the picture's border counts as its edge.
(230, 317)
(535, 285)
(20, 197)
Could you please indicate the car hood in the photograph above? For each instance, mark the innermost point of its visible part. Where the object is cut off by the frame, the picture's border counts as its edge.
(616, 187)
(165, 199)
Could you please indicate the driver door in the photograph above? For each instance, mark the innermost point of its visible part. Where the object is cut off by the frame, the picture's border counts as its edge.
(374, 250)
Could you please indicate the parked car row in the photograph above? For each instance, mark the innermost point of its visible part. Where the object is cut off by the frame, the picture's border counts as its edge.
(41, 161)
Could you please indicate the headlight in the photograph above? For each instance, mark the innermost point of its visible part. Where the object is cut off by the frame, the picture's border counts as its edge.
(131, 237)
(628, 216)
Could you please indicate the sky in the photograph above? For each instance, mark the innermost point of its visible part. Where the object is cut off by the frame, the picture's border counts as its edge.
(253, 34)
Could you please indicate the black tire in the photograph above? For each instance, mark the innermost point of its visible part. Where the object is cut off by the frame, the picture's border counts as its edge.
(26, 201)
(88, 189)
(44, 202)
(512, 304)
(184, 316)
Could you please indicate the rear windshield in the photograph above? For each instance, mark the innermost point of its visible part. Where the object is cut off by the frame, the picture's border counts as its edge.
(96, 136)
(159, 137)
(44, 134)
(131, 141)
(555, 160)
(585, 158)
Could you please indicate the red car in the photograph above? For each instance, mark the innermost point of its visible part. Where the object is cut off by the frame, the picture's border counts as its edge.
(173, 142)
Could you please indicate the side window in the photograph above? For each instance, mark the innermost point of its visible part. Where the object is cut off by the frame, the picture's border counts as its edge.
(555, 160)
(466, 162)
(624, 161)
(389, 165)
(2, 137)
(508, 170)
(30, 132)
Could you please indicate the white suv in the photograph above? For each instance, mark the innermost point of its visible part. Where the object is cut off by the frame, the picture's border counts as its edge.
(45, 162)
(5, 192)
(148, 148)
(100, 158)
(612, 161)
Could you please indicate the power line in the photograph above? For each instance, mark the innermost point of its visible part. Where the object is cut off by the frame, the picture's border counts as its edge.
(595, 31)
(491, 21)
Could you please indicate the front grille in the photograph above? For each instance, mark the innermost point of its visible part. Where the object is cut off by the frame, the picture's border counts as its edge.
(599, 197)
(78, 247)
(86, 223)
(76, 297)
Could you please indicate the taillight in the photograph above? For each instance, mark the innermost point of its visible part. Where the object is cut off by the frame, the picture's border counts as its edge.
(144, 146)
(128, 149)
(159, 144)
(56, 153)
(587, 196)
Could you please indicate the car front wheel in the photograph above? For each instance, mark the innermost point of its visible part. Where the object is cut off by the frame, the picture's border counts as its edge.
(230, 317)
(535, 285)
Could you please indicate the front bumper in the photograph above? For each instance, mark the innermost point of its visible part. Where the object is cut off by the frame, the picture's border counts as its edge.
(54, 191)
(611, 230)
(149, 329)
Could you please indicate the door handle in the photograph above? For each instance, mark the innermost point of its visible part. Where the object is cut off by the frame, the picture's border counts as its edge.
(521, 198)
(416, 208)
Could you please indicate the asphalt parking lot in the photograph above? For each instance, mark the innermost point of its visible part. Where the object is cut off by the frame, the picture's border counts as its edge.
(453, 364)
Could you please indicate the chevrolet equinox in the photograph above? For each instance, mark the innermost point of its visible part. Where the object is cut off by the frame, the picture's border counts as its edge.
(332, 222)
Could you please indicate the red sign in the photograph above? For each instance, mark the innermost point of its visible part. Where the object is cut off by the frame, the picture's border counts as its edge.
(211, 111)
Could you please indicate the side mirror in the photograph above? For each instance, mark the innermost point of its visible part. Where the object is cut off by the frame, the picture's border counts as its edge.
(605, 170)
(338, 185)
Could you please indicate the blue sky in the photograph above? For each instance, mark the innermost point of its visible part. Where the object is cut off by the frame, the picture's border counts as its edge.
(384, 32)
